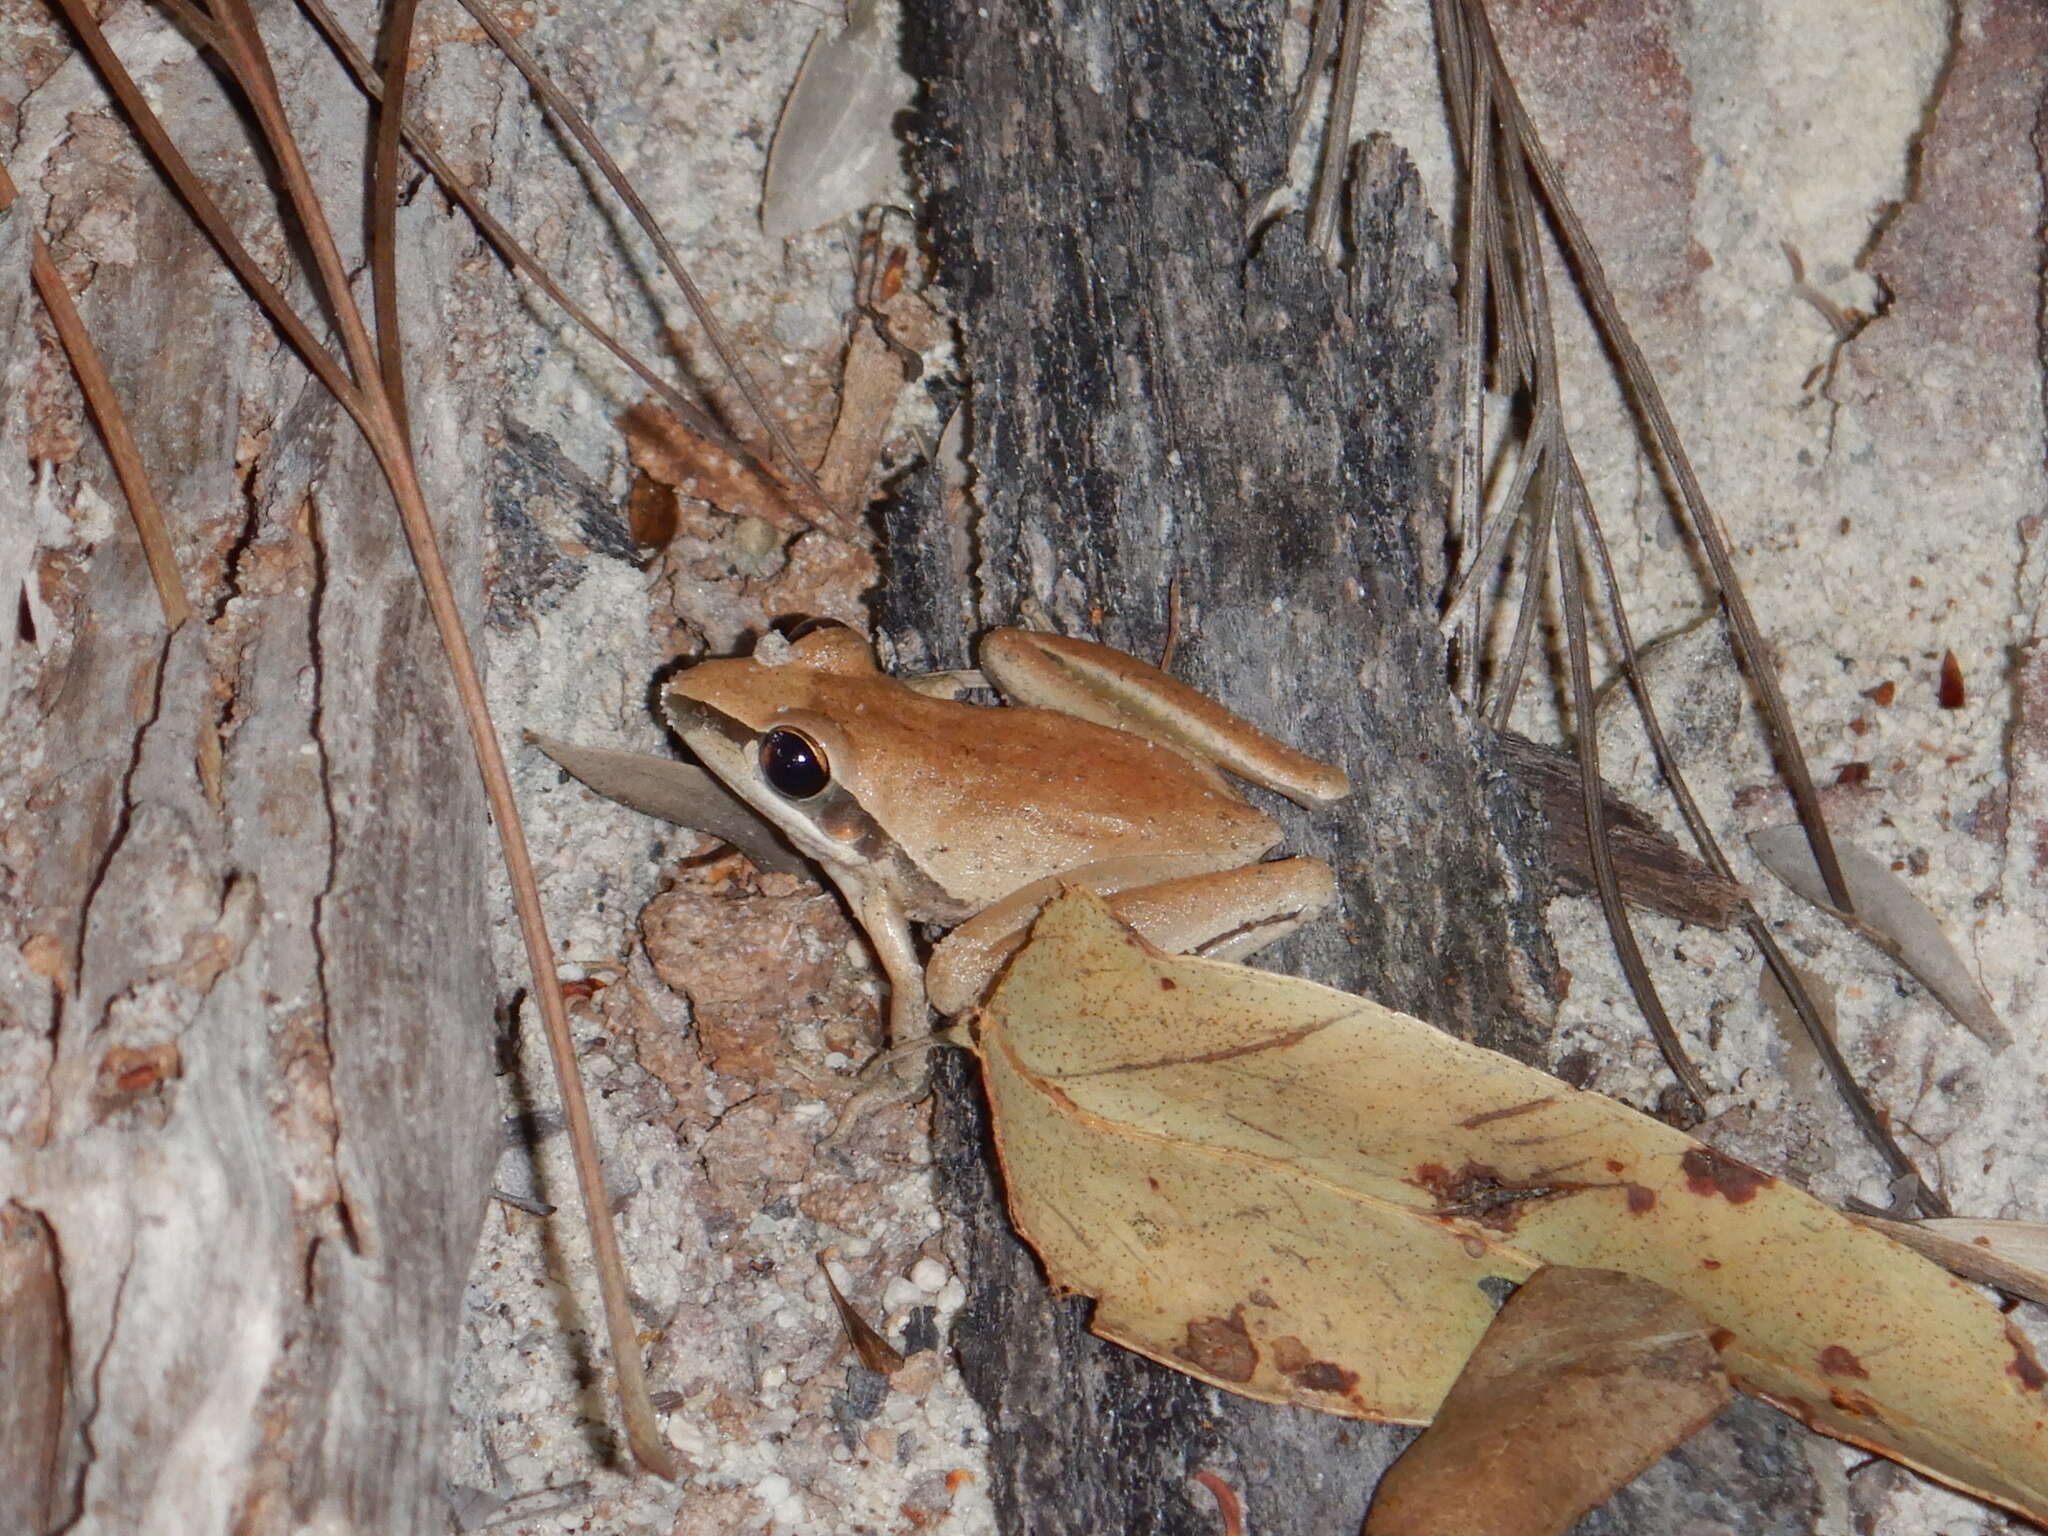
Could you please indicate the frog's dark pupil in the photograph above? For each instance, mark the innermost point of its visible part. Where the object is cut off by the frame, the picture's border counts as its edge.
(794, 764)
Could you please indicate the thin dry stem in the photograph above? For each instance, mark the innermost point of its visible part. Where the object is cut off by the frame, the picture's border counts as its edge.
(398, 23)
(1502, 276)
(508, 246)
(1322, 209)
(1579, 250)
(99, 394)
(1866, 1114)
(728, 357)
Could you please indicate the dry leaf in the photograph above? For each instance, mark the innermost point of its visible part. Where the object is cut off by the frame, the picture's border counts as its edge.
(676, 792)
(652, 513)
(692, 465)
(1585, 1378)
(871, 381)
(1307, 1198)
(876, 1352)
(835, 149)
(1891, 917)
(2011, 1255)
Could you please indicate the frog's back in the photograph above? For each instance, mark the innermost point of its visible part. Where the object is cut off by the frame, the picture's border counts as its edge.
(1006, 796)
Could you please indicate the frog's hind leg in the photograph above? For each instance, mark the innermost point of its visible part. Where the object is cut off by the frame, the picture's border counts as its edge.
(1219, 914)
(1079, 677)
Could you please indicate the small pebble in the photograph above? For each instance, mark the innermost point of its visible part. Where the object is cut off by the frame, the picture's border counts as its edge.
(929, 1276)
(901, 1293)
(917, 1375)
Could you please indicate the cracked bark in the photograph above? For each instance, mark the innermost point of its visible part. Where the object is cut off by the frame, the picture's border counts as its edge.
(1152, 402)
(246, 1112)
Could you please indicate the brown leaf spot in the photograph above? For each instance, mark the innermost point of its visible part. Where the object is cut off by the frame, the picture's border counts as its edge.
(1951, 694)
(1261, 1299)
(1721, 1338)
(1641, 1198)
(1294, 1360)
(1709, 1173)
(1473, 1122)
(1221, 1347)
(1478, 1193)
(1710, 1263)
(1322, 1376)
(1854, 1404)
(1432, 1177)
(2024, 1367)
(1837, 1361)
(1167, 984)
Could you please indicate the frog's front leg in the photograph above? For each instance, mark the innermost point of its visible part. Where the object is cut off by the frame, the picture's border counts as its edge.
(888, 1080)
(1221, 914)
(882, 918)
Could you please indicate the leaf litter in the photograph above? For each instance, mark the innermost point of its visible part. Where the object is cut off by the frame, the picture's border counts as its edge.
(1306, 1198)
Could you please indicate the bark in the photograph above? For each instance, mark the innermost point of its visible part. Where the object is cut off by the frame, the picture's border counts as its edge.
(246, 1108)
(1157, 399)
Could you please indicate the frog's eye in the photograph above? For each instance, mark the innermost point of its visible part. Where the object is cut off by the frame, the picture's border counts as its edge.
(794, 765)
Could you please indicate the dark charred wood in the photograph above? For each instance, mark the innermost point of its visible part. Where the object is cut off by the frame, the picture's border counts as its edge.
(1157, 399)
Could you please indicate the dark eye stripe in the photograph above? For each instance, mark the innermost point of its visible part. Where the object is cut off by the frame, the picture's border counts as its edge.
(794, 765)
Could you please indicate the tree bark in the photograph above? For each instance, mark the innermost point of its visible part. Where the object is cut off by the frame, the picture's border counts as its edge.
(1158, 398)
(246, 1104)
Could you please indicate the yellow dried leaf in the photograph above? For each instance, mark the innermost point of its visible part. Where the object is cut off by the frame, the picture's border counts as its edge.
(1307, 1198)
